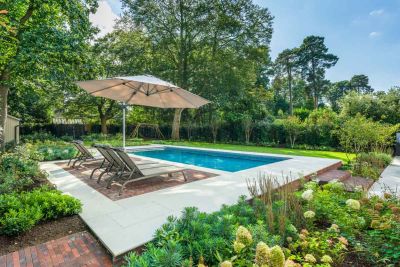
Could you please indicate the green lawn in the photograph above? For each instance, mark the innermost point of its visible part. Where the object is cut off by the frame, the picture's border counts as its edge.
(273, 150)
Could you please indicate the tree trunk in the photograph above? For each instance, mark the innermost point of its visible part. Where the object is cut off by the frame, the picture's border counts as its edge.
(176, 124)
(315, 97)
(103, 122)
(3, 114)
(290, 93)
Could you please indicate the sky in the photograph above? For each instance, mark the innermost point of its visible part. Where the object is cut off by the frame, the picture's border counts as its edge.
(364, 34)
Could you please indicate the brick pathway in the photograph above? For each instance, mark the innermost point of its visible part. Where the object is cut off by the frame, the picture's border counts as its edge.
(80, 249)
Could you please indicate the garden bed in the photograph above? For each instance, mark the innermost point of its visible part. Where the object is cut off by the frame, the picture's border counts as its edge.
(42, 233)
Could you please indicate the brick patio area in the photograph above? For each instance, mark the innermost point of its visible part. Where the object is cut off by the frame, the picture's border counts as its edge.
(133, 189)
(80, 249)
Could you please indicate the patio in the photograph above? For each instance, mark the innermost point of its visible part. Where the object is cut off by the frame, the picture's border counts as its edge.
(128, 223)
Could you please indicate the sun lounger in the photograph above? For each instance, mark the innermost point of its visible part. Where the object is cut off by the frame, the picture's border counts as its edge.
(108, 163)
(117, 165)
(83, 155)
(136, 172)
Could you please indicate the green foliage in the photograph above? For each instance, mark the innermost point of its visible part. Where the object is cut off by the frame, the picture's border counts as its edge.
(19, 212)
(359, 134)
(200, 235)
(371, 164)
(293, 127)
(381, 106)
(369, 225)
(318, 244)
(314, 59)
(320, 126)
(20, 170)
(380, 160)
(55, 150)
(43, 53)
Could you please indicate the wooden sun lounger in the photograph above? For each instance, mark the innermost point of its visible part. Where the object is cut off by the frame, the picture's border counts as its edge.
(136, 172)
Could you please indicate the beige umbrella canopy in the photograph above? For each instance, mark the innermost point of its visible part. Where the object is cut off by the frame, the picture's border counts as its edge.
(143, 90)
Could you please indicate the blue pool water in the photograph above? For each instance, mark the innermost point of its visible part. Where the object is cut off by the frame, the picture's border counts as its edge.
(230, 162)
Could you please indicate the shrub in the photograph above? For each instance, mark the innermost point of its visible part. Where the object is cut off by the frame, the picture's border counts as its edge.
(370, 165)
(55, 150)
(318, 244)
(320, 127)
(40, 136)
(359, 134)
(379, 160)
(20, 170)
(19, 212)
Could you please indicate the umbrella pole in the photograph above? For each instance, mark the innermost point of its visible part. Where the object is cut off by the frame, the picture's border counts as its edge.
(123, 125)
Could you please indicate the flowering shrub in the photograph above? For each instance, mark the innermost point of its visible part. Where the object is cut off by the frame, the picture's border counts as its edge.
(354, 204)
(318, 247)
(307, 195)
(244, 256)
(338, 223)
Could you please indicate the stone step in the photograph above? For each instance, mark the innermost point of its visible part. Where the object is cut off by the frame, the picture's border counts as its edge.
(351, 182)
(330, 175)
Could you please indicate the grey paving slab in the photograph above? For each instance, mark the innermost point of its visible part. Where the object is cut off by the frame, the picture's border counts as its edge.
(389, 180)
(125, 224)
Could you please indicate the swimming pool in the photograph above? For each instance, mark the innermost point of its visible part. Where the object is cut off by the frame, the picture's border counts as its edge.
(224, 161)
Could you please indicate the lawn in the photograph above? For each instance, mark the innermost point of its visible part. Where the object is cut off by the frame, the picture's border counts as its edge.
(273, 150)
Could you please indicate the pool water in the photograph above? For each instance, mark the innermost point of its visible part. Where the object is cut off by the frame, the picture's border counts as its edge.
(224, 161)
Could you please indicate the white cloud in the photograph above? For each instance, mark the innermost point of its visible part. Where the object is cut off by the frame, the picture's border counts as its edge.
(376, 12)
(374, 34)
(104, 18)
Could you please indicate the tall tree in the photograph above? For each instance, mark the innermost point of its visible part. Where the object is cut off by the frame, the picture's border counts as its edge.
(125, 51)
(287, 65)
(188, 34)
(336, 92)
(314, 59)
(45, 43)
(360, 84)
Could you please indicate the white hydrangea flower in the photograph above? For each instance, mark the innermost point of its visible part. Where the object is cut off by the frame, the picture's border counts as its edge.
(354, 204)
(307, 195)
(309, 214)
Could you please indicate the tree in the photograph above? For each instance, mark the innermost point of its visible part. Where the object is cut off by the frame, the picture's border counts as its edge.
(314, 59)
(248, 125)
(215, 124)
(190, 36)
(360, 84)
(44, 45)
(293, 128)
(286, 64)
(123, 51)
(359, 134)
(336, 92)
(381, 106)
(84, 106)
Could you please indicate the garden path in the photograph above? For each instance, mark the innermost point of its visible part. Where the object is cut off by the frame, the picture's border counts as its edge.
(80, 249)
(389, 181)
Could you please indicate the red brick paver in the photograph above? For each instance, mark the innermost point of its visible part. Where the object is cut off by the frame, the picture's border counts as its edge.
(133, 189)
(80, 249)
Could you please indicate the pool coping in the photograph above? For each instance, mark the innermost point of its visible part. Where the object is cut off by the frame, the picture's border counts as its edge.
(126, 224)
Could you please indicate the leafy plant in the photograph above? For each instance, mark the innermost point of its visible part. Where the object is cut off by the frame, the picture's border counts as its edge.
(19, 170)
(19, 212)
(370, 165)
